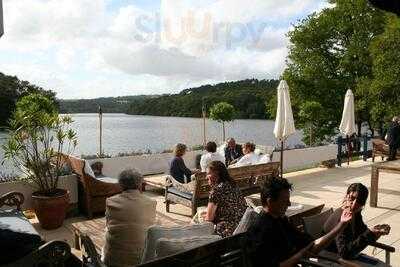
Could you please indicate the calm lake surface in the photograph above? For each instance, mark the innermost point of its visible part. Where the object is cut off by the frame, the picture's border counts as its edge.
(127, 133)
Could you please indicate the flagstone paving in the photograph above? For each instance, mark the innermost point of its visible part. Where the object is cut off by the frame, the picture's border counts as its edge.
(311, 186)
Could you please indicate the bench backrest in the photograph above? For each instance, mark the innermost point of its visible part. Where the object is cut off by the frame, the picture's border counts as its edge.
(248, 178)
(380, 145)
(229, 251)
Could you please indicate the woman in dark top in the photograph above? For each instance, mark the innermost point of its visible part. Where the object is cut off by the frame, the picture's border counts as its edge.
(356, 236)
(178, 169)
(226, 204)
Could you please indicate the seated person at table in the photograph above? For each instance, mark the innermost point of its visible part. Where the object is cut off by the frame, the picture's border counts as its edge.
(272, 240)
(249, 158)
(97, 168)
(178, 169)
(211, 155)
(126, 222)
(232, 151)
(355, 236)
(226, 204)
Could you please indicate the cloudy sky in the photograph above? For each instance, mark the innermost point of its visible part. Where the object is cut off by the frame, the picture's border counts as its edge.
(94, 48)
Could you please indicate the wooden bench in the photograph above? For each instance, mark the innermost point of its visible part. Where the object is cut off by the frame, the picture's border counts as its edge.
(232, 251)
(248, 178)
(380, 148)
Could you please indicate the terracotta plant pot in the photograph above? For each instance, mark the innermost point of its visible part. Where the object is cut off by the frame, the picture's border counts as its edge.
(51, 210)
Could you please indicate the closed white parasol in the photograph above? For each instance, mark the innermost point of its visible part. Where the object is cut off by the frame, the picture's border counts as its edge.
(284, 123)
(348, 124)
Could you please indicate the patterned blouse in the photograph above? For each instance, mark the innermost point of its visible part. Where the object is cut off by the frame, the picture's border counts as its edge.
(230, 207)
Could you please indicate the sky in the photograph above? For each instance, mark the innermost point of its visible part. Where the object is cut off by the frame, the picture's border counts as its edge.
(97, 48)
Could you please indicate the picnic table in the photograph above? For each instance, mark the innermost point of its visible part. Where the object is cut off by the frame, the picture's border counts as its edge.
(96, 229)
(388, 166)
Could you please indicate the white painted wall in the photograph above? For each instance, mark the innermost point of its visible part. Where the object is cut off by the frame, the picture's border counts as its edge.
(159, 163)
(145, 164)
(305, 157)
(68, 182)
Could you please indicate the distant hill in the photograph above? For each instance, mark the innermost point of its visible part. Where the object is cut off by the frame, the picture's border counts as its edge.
(249, 98)
(119, 104)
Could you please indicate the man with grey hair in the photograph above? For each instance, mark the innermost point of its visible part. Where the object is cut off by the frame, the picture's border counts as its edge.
(393, 138)
(130, 179)
(128, 216)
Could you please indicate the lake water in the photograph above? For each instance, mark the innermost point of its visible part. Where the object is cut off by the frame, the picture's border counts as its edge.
(127, 133)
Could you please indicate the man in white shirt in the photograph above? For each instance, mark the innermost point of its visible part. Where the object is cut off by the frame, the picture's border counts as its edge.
(249, 158)
(211, 155)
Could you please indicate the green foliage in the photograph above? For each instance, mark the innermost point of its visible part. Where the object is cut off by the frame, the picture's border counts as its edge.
(38, 136)
(310, 115)
(119, 104)
(12, 89)
(222, 112)
(384, 87)
(329, 53)
(247, 96)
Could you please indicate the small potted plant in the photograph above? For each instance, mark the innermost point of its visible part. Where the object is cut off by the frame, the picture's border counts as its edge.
(38, 138)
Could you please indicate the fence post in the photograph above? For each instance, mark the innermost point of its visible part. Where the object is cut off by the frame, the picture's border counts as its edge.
(365, 147)
(339, 154)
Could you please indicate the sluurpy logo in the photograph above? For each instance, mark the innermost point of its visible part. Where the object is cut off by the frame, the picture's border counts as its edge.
(200, 27)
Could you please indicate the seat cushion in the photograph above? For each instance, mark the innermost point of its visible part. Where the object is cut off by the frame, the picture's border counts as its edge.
(17, 236)
(187, 188)
(249, 217)
(173, 190)
(156, 232)
(106, 179)
(166, 247)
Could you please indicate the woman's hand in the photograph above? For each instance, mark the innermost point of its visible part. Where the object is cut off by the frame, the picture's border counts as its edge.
(380, 230)
(347, 215)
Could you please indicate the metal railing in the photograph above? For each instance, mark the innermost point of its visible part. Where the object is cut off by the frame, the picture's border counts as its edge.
(360, 146)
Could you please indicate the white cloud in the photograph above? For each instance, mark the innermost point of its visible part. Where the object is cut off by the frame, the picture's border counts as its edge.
(80, 48)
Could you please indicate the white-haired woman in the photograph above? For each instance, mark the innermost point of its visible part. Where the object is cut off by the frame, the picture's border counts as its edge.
(128, 216)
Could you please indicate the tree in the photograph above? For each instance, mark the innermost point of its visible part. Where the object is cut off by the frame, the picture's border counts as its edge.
(12, 89)
(329, 53)
(309, 118)
(384, 87)
(222, 112)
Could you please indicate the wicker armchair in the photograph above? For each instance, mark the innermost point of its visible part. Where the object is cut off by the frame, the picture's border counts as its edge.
(92, 191)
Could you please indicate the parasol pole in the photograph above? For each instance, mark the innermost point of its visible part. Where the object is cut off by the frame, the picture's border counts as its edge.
(204, 123)
(282, 159)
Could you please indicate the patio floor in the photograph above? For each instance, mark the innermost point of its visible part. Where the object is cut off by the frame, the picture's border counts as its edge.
(312, 186)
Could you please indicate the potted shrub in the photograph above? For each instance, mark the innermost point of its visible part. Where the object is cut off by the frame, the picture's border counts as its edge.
(38, 138)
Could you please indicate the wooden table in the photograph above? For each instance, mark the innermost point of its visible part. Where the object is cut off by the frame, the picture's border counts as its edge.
(294, 215)
(96, 229)
(388, 166)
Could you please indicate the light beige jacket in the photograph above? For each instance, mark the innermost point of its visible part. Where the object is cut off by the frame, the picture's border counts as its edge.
(128, 216)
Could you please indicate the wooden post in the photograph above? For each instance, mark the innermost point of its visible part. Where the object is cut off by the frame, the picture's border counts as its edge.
(100, 131)
(204, 124)
(1, 19)
(223, 131)
(365, 147)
